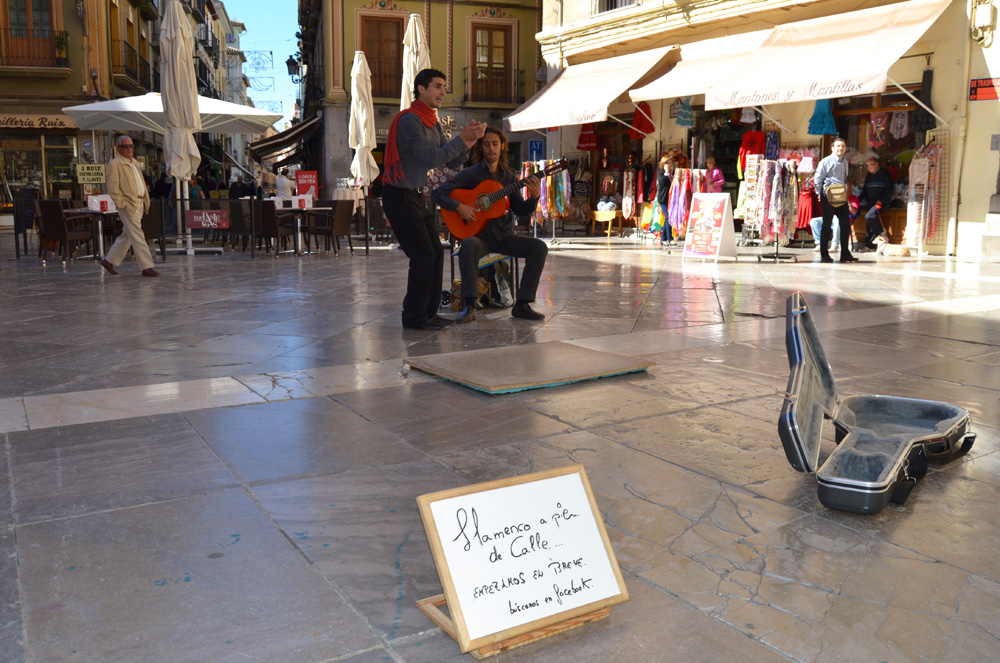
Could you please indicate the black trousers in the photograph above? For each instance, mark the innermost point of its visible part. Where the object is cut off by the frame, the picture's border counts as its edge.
(843, 214)
(419, 238)
(532, 250)
(875, 226)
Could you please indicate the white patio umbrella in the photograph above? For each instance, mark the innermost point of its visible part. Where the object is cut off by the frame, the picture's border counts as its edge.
(361, 129)
(179, 102)
(146, 113)
(416, 58)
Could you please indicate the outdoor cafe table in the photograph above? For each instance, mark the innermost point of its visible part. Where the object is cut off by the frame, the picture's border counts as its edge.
(77, 212)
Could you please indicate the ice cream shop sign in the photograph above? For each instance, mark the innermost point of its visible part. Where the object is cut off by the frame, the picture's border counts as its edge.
(24, 121)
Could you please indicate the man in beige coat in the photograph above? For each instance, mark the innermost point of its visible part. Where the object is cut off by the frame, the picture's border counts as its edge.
(127, 189)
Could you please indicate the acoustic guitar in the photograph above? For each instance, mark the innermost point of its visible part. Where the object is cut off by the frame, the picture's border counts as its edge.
(489, 199)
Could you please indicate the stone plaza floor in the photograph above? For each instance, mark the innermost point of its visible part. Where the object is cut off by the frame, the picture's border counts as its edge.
(222, 464)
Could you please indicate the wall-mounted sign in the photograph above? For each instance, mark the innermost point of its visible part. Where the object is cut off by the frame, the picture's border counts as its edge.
(90, 173)
(983, 89)
(23, 121)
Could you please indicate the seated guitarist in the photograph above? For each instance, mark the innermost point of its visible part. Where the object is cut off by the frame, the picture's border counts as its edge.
(490, 153)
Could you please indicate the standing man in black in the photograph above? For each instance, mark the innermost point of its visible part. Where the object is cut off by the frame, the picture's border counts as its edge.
(498, 235)
(415, 145)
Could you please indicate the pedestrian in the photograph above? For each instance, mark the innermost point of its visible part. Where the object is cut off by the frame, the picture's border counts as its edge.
(833, 189)
(128, 191)
(876, 193)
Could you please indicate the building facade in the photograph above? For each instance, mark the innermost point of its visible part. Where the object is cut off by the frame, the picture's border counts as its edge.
(957, 50)
(486, 50)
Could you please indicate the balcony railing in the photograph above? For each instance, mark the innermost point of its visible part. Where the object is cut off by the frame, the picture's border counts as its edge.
(144, 69)
(20, 47)
(124, 60)
(494, 85)
(601, 6)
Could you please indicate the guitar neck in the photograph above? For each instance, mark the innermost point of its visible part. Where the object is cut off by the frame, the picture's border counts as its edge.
(511, 188)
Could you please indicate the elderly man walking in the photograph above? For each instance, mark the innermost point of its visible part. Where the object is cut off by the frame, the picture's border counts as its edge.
(128, 190)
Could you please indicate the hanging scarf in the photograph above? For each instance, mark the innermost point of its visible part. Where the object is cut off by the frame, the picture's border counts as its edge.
(393, 166)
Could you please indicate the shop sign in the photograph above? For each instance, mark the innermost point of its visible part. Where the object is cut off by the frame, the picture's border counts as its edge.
(983, 89)
(23, 121)
(307, 182)
(90, 173)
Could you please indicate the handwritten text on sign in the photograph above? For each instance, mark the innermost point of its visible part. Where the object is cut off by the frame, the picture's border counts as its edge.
(206, 218)
(523, 552)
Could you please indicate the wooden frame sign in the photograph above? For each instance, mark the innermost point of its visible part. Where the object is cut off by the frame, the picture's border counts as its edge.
(519, 559)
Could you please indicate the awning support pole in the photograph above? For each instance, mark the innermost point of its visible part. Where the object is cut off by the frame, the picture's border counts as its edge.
(919, 103)
(763, 111)
(628, 125)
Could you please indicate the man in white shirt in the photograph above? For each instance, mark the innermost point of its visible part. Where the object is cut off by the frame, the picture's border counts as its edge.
(127, 189)
(285, 187)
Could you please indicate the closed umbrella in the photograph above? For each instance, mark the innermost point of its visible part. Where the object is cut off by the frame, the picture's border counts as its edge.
(180, 101)
(361, 129)
(416, 58)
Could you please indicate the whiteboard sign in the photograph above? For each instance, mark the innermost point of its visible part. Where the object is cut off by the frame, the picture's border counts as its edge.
(519, 554)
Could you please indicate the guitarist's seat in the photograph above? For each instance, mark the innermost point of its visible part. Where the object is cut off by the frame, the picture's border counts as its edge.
(486, 261)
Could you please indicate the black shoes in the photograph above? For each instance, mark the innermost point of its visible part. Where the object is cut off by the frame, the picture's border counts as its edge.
(523, 310)
(826, 259)
(438, 320)
(426, 326)
(466, 315)
(850, 259)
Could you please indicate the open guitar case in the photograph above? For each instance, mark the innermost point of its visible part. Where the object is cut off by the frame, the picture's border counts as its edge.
(884, 443)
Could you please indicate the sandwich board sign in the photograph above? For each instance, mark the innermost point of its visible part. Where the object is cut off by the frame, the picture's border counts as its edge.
(519, 559)
(709, 233)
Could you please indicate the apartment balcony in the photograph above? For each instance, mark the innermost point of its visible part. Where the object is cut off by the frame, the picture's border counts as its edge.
(34, 48)
(149, 9)
(125, 67)
(494, 85)
(144, 74)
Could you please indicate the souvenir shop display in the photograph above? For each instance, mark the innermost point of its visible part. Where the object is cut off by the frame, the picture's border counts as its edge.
(923, 205)
(555, 191)
(686, 183)
(770, 202)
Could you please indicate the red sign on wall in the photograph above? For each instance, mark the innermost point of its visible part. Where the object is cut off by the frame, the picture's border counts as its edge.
(307, 183)
(982, 89)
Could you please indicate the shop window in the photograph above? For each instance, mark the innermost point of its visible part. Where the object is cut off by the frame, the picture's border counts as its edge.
(879, 124)
(22, 160)
(382, 42)
(28, 37)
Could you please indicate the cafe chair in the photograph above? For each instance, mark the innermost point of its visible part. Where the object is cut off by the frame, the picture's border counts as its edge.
(152, 227)
(239, 223)
(332, 224)
(272, 229)
(62, 233)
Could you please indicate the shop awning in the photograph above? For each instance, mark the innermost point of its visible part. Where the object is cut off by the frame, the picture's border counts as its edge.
(295, 156)
(280, 142)
(581, 93)
(840, 55)
(701, 63)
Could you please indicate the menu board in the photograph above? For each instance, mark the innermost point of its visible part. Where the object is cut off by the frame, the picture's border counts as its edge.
(519, 554)
(710, 227)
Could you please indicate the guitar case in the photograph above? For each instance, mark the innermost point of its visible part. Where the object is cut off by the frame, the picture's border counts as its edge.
(884, 443)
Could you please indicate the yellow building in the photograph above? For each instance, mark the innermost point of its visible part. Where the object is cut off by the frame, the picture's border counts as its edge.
(59, 53)
(956, 47)
(486, 50)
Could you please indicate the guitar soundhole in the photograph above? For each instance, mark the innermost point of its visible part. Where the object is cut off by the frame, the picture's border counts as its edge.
(483, 202)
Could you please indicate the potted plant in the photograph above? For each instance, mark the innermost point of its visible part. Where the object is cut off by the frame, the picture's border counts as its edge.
(61, 42)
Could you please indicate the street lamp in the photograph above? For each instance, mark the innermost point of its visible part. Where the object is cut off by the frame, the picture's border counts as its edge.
(293, 68)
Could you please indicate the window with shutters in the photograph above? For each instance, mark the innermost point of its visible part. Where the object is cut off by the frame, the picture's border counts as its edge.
(382, 42)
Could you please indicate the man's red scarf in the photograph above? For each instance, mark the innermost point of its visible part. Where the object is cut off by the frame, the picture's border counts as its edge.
(393, 166)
